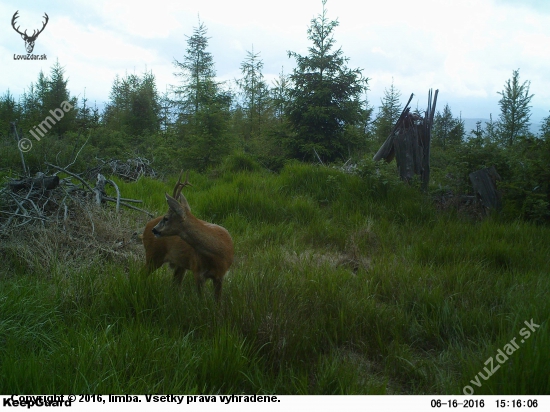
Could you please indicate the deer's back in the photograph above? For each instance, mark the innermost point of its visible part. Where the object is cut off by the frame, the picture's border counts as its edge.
(219, 246)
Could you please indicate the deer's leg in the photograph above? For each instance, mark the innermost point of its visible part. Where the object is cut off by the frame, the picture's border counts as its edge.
(217, 288)
(199, 279)
(151, 265)
(178, 275)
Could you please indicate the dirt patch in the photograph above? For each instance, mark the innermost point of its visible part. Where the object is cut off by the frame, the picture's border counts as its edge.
(316, 258)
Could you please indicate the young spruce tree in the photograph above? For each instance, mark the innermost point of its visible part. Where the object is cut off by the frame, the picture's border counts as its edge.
(388, 113)
(255, 96)
(447, 129)
(514, 109)
(325, 97)
(203, 107)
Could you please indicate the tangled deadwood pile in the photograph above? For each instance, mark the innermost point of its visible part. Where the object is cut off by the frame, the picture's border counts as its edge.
(48, 199)
(130, 170)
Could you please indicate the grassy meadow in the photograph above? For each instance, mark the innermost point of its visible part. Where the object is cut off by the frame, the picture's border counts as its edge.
(342, 284)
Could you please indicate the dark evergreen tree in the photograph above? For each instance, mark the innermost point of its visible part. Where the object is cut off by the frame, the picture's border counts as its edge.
(325, 97)
(203, 106)
(9, 112)
(145, 106)
(41, 104)
(87, 117)
(368, 122)
(477, 133)
(545, 128)
(133, 106)
(447, 129)
(198, 88)
(166, 112)
(31, 108)
(254, 96)
(53, 93)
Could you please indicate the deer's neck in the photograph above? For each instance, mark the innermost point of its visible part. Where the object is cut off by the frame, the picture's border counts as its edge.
(202, 236)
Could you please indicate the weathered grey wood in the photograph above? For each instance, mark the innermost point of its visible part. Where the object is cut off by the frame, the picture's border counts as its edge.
(425, 134)
(408, 153)
(427, 139)
(112, 183)
(433, 108)
(410, 142)
(484, 182)
(99, 188)
(387, 151)
(41, 182)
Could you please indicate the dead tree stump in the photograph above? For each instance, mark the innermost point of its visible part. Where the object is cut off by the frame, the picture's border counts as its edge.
(409, 143)
(484, 182)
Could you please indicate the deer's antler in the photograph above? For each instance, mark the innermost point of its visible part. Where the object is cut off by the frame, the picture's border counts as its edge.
(179, 186)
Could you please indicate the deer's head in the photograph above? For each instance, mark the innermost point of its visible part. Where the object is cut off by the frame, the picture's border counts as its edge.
(172, 222)
(29, 40)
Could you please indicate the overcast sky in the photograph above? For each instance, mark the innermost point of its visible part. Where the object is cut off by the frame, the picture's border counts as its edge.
(466, 49)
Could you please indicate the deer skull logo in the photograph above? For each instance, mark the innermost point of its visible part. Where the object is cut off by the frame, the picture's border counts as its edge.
(29, 40)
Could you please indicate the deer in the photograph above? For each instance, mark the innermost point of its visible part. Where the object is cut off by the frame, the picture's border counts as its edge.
(212, 244)
(29, 40)
(171, 249)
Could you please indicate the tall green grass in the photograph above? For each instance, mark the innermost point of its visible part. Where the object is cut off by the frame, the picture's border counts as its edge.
(341, 284)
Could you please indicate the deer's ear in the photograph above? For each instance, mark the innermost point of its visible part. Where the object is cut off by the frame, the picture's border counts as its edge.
(184, 203)
(175, 206)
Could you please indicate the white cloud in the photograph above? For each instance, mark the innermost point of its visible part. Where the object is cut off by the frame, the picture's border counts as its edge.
(467, 49)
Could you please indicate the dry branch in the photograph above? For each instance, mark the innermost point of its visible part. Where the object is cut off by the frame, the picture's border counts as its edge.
(110, 199)
(70, 174)
(117, 193)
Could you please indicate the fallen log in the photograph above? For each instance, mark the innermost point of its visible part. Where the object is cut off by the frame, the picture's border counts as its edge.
(39, 182)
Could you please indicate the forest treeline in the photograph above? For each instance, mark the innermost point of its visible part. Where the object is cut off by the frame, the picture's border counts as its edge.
(318, 112)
